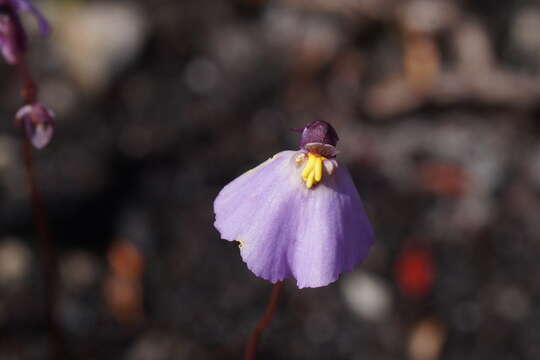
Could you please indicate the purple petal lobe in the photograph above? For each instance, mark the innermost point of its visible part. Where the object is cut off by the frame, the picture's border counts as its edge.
(289, 231)
(26, 5)
(12, 36)
(334, 231)
(41, 136)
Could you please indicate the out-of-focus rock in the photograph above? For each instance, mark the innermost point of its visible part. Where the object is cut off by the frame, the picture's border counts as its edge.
(511, 303)
(236, 48)
(525, 31)
(351, 9)
(8, 153)
(421, 61)
(427, 339)
(155, 345)
(467, 316)
(98, 39)
(15, 261)
(152, 346)
(79, 270)
(59, 95)
(367, 295)
(427, 16)
(532, 165)
(307, 43)
(124, 299)
(473, 47)
(320, 328)
(201, 75)
(391, 96)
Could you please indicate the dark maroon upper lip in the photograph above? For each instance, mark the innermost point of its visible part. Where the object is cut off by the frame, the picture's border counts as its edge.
(319, 132)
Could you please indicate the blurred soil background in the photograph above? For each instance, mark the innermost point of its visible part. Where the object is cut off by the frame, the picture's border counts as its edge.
(160, 103)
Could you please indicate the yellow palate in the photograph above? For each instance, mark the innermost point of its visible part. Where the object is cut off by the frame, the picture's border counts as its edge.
(309, 166)
(312, 172)
(318, 170)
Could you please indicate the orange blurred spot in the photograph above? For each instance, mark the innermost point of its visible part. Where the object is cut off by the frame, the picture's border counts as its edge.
(421, 62)
(426, 340)
(415, 271)
(122, 288)
(125, 260)
(443, 179)
(124, 299)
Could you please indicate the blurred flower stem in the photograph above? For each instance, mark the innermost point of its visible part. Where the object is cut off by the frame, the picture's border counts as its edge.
(251, 347)
(29, 89)
(46, 248)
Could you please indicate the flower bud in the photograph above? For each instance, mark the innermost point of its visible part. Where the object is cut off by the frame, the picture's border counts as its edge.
(38, 122)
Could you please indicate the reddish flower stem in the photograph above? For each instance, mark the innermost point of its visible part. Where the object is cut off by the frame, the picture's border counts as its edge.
(46, 249)
(251, 348)
(29, 89)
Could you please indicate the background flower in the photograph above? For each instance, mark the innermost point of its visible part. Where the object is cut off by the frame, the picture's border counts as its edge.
(38, 123)
(13, 37)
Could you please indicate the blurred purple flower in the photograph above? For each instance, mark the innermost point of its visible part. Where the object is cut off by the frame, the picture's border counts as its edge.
(38, 122)
(12, 35)
(297, 215)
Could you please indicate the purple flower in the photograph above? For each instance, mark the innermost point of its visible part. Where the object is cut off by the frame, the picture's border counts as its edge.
(297, 215)
(38, 122)
(12, 35)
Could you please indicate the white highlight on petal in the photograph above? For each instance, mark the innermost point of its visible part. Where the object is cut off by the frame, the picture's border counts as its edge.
(330, 165)
(300, 158)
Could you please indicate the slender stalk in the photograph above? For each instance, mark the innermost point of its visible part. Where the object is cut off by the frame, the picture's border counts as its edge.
(46, 248)
(29, 89)
(251, 347)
